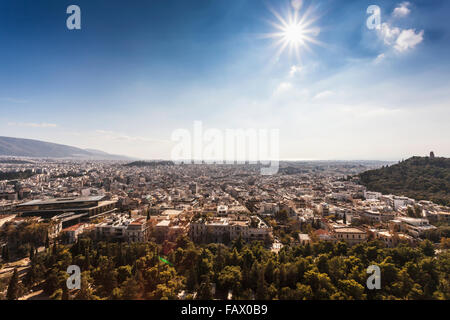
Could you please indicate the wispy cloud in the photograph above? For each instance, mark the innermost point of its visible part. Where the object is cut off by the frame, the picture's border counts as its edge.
(402, 10)
(282, 88)
(323, 95)
(32, 125)
(294, 70)
(379, 58)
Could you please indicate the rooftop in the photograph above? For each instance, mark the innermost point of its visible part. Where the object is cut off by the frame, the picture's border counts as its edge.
(349, 230)
(62, 200)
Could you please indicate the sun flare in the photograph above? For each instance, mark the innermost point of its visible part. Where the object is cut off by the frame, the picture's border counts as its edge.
(295, 32)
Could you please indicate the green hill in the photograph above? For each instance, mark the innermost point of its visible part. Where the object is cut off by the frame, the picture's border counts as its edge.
(421, 178)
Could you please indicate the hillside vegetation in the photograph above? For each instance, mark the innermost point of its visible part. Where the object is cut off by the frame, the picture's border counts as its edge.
(421, 178)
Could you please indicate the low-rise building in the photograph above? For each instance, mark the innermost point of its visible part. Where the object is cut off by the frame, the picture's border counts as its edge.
(414, 226)
(304, 239)
(391, 239)
(350, 235)
(225, 229)
(70, 234)
(121, 226)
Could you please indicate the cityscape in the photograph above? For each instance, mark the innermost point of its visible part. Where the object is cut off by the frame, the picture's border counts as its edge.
(210, 226)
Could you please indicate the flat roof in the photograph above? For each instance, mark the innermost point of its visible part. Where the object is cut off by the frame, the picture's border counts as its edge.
(349, 230)
(74, 227)
(171, 212)
(163, 223)
(62, 200)
(303, 236)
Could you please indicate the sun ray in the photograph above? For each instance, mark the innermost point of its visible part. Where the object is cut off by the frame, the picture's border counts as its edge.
(295, 32)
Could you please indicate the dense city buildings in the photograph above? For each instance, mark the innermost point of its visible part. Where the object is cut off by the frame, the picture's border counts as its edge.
(306, 203)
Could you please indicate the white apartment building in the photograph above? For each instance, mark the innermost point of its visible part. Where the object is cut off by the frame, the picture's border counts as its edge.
(120, 226)
(372, 195)
(413, 226)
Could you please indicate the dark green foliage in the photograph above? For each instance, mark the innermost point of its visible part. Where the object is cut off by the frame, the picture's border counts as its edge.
(14, 290)
(248, 270)
(421, 178)
(16, 175)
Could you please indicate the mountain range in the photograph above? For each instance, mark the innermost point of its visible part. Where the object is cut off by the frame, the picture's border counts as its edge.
(18, 147)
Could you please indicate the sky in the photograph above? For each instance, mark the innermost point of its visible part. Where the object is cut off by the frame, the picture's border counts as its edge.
(137, 71)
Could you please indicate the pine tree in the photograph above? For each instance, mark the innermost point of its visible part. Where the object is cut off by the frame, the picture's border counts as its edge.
(47, 242)
(13, 287)
(31, 253)
(191, 280)
(5, 253)
(205, 289)
(261, 290)
(65, 294)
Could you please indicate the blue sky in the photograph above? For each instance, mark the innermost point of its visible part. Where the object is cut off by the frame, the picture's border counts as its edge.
(138, 70)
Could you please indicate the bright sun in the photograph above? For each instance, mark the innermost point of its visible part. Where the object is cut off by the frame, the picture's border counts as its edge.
(295, 32)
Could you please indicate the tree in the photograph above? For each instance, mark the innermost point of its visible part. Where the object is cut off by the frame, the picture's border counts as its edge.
(5, 253)
(261, 288)
(47, 242)
(427, 248)
(445, 243)
(86, 292)
(13, 292)
(230, 279)
(238, 243)
(191, 280)
(205, 289)
(31, 253)
(57, 295)
(352, 289)
(65, 293)
(130, 289)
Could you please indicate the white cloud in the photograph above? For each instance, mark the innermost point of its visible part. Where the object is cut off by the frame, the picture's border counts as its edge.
(32, 125)
(400, 39)
(379, 58)
(402, 10)
(408, 39)
(294, 70)
(388, 34)
(282, 88)
(323, 94)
